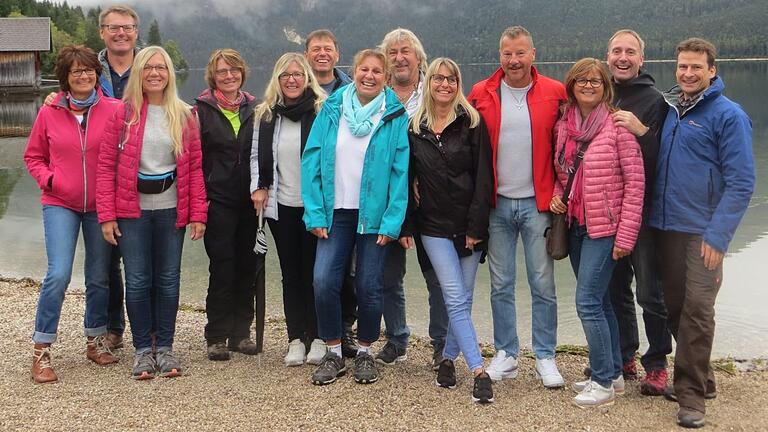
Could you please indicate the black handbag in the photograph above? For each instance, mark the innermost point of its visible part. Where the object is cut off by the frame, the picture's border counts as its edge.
(557, 233)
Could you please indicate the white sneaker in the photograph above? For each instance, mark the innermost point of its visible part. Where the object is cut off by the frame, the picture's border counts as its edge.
(316, 352)
(594, 395)
(502, 367)
(546, 369)
(618, 385)
(296, 353)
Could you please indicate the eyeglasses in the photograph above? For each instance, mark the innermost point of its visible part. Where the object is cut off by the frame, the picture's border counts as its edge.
(161, 68)
(285, 76)
(438, 79)
(221, 73)
(594, 82)
(114, 28)
(79, 72)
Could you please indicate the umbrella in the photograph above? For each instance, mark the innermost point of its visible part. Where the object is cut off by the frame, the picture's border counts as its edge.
(261, 252)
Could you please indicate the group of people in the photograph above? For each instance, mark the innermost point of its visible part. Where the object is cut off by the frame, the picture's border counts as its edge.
(351, 171)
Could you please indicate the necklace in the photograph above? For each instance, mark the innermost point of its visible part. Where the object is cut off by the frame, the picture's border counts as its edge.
(404, 98)
(518, 102)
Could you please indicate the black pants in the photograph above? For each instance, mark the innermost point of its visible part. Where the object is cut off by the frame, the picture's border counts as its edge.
(296, 251)
(642, 266)
(229, 240)
(115, 310)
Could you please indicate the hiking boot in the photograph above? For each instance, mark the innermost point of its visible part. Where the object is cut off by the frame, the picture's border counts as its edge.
(97, 351)
(502, 366)
(42, 370)
(594, 395)
(618, 385)
(144, 366)
(218, 351)
(167, 363)
(482, 391)
(330, 368)
(113, 341)
(654, 383)
(546, 369)
(317, 351)
(365, 369)
(297, 353)
(689, 418)
(245, 346)
(437, 356)
(446, 375)
(629, 370)
(348, 345)
(669, 393)
(391, 354)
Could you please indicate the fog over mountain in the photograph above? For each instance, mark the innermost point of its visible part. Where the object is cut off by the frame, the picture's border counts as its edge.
(467, 30)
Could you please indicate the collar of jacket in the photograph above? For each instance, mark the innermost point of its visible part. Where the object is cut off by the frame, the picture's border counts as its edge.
(642, 79)
(60, 101)
(392, 106)
(715, 89)
(494, 82)
(207, 97)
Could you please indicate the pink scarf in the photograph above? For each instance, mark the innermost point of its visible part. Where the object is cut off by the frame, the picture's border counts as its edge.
(224, 103)
(579, 132)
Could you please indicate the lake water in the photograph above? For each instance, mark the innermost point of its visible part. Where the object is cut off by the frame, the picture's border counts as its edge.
(742, 324)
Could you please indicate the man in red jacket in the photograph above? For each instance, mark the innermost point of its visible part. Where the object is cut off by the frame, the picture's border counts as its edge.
(520, 108)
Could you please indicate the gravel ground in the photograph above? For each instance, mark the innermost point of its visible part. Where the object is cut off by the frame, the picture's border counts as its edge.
(259, 393)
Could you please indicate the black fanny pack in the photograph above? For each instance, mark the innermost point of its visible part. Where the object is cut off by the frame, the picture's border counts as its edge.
(155, 183)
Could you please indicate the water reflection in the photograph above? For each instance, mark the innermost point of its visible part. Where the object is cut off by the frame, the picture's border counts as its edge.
(17, 113)
(742, 327)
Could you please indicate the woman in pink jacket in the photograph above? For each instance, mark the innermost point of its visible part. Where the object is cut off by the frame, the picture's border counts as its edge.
(604, 209)
(149, 188)
(62, 154)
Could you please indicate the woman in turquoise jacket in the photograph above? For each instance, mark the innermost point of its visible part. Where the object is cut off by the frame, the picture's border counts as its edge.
(354, 180)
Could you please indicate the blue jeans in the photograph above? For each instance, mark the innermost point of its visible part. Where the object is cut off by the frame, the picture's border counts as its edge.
(510, 218)
(151, 248)
(330, 269)
(61, 227)
(591, 258)
(438, 316)
(457, 280)
(393, 306)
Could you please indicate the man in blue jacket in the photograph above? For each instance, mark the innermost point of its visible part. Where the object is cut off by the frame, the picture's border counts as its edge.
(705, 178)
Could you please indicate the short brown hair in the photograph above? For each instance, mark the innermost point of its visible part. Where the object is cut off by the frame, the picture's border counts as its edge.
(369, 52)
(580, 70)
(70, 54)
(320, 34)
(121, 10)
(232, 58)
(699, 45)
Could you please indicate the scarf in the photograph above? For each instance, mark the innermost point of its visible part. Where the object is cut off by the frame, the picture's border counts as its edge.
(225, 103)
(358, 117)
(578, 134)
(81, 105)
(303, 110)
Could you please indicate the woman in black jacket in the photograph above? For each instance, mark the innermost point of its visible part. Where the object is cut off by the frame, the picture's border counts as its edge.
(451, 164)
(226, 127)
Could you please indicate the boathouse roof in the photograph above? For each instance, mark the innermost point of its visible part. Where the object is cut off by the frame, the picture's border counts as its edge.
(25, 34)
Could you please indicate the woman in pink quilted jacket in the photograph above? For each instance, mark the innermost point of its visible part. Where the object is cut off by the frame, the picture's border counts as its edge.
(149, 188)
(604, 209)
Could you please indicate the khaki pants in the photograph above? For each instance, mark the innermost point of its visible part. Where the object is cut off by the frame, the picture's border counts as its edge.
(690, 291)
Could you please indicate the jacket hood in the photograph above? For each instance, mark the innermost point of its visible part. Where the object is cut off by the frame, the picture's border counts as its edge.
(642, 79)
(715, 89)
(494, 82)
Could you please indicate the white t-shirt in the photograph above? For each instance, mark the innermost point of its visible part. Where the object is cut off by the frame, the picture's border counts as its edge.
(514, 157)
(289, 163)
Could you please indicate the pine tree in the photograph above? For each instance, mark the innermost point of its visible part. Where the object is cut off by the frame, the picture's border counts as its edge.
(179, 62)
(154, 34)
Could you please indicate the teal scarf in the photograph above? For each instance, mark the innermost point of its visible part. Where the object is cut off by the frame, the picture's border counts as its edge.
(357, 116)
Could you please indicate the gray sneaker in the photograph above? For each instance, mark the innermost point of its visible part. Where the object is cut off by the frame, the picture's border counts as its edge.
(218, 352)
(330, 368)
(365, 369)
(391, 354)
(168, 364)
(144, 366)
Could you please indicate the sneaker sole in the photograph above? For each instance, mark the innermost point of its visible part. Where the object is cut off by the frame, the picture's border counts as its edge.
(331, 381)
(219, 358)
(557, 385)
(366, 380)
(143, 377)
(692, 425)
(604, 404)
(294, 363)
(482, 401)
(396, 360)
(506, 375)
(449, 387)
(617, 392)
(649, 390)
(173, 373)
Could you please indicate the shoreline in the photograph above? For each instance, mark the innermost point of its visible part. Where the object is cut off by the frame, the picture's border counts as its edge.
(260, 393)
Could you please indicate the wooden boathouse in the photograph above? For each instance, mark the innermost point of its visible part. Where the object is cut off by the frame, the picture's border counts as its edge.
(22, 41)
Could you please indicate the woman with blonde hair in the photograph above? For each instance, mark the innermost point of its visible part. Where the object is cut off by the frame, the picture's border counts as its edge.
(291, 101)
(451, 158)
(601, 183)
(225, 113)
(149, 188)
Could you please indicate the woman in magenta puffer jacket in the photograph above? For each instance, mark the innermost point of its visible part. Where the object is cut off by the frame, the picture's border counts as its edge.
(149, 188)
(604, 210)
(61, 155)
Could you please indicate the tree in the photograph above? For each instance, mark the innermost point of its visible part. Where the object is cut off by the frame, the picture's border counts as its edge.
(179, 62)
(92, 36)
(154, 34)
